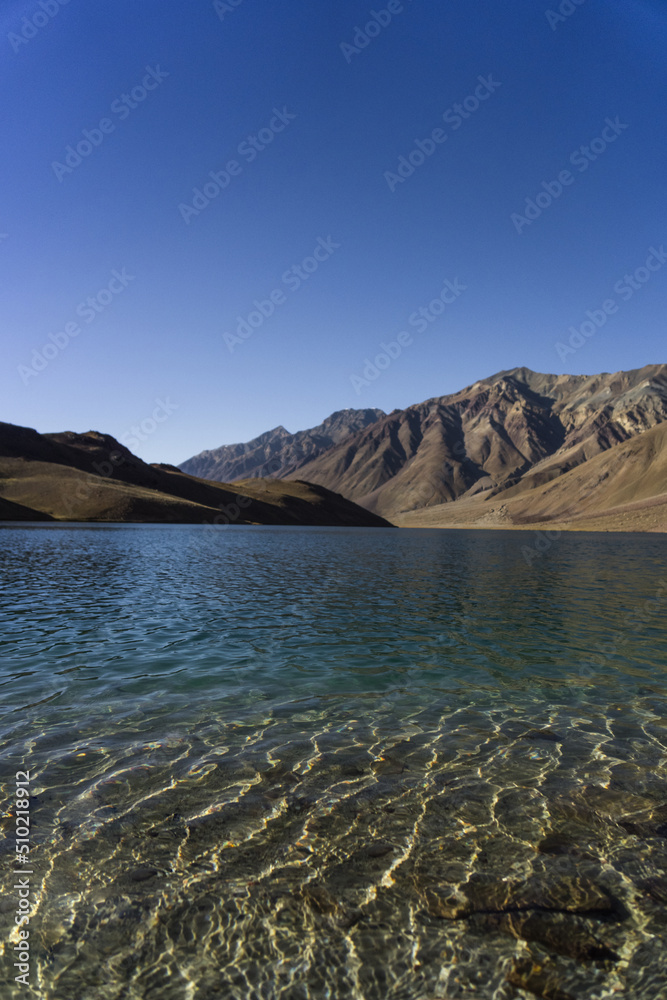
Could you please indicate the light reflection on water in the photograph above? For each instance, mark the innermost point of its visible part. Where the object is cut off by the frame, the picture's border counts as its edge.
(266, 760)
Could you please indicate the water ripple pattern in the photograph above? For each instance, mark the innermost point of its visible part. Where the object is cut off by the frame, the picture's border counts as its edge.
(316, 764)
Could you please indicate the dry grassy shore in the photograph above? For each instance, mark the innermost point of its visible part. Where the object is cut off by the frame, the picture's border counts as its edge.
(646, 515)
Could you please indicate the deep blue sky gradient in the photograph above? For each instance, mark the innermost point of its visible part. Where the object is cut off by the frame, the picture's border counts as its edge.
(162, 337)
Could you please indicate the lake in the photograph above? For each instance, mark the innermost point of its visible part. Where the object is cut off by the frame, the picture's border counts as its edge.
(335, 763)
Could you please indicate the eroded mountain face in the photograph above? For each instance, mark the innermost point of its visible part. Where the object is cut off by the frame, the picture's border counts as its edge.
(278, 453)
(518, 428)
(515, 425)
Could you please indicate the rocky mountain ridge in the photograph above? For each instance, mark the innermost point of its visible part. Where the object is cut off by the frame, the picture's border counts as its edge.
(516, 430)
(276, 452)
(516, 426)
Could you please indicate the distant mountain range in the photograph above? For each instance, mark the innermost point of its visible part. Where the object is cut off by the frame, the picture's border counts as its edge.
(91, 477)
(514, 450)
(278, 453)
(517, 435)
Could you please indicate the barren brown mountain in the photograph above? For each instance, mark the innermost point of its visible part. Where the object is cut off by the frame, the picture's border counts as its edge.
(516, 449)
(468, 457)
(516, 426)
(621, 489)
(277, 452)
(91, 477)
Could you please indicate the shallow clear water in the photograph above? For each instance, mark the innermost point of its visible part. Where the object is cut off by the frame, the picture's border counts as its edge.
(335, 763)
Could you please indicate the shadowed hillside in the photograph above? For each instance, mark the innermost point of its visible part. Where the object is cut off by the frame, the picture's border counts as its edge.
(91, 477)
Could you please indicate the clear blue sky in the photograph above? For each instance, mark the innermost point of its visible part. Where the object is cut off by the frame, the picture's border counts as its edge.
(345, 117)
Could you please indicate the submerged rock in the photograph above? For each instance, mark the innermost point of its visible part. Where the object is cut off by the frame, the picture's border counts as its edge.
(560, 894)
(540, 980)
(647, 823)
(377, 850)
(565, 934)
(542, 734)
(143, 874)
(320, 901)
(656, 888)
(560, 845)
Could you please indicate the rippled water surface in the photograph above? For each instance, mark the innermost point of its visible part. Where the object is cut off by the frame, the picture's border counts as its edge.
(335, 763)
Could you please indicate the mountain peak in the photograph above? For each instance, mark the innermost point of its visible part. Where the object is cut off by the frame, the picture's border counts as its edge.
(478, 441)
(278, 453)
(490, 436)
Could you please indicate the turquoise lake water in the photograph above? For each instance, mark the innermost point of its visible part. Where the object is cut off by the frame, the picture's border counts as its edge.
(335, 763)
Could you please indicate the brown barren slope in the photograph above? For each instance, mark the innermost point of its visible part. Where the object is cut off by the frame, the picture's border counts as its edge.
(91, 477)
(621, 489)
(491, 435)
